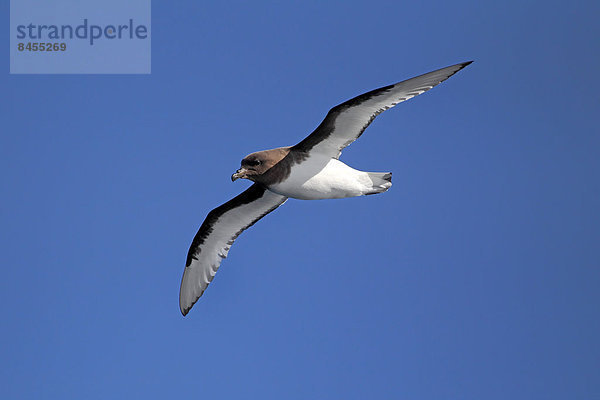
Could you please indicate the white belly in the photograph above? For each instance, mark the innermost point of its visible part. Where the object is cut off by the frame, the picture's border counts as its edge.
(332, 179)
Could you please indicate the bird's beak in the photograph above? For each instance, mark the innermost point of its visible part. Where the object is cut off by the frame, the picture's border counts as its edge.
(240, 173)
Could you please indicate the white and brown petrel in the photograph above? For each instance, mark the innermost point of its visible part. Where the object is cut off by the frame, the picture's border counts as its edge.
(309, 170)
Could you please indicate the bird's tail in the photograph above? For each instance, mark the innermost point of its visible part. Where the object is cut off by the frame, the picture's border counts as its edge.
(382, 181)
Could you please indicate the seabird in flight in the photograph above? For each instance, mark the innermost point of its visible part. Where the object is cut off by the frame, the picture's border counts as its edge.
(309, 170)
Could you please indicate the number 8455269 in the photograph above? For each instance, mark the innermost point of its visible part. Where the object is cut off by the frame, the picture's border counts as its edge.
(42, 46)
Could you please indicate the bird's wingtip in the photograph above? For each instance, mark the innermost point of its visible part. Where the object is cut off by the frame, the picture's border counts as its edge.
(184, 310)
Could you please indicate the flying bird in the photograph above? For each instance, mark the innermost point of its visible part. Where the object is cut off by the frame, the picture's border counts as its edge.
(309, 170)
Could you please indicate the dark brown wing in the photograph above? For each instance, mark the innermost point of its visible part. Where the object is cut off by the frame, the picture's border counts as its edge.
(346, 122)
(216, 235)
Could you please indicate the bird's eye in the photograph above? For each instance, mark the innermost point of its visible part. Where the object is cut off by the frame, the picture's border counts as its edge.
(253, 163)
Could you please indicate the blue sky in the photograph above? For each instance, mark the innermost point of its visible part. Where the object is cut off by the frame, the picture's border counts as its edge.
(476, 276)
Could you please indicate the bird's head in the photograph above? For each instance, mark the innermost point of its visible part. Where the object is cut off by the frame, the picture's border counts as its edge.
(252, 166)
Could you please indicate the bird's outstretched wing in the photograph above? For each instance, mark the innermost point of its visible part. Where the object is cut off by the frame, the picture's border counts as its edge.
(216, 235)
(344, 123)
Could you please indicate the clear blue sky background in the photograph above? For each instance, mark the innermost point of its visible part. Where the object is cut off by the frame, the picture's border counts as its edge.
(475, 277)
